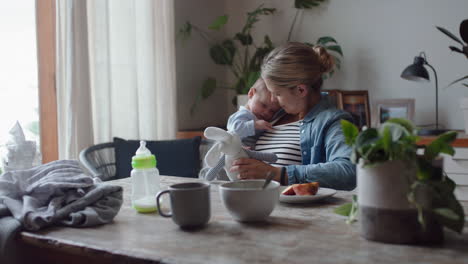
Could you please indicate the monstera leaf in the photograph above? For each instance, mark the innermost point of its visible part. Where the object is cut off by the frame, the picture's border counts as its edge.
(223, 53)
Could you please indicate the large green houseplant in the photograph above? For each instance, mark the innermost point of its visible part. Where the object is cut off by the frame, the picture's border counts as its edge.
(241, 55)
(463, 42)
(416, 169)
(462, 50)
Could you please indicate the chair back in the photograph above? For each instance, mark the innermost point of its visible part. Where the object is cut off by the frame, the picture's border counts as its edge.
(99, 160)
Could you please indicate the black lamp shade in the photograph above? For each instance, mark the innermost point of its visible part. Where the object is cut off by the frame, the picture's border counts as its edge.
(416, 71)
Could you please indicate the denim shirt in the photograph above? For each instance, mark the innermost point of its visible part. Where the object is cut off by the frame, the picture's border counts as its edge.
(325, 155)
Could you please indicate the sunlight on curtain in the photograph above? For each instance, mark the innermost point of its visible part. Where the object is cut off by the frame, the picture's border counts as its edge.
(132, 69)
(117, 74)
(73, 92)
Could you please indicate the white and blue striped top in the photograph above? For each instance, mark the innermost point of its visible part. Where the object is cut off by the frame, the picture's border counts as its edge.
(284, 141)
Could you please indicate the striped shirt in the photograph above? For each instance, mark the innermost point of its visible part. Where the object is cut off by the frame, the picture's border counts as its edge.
(284, 141)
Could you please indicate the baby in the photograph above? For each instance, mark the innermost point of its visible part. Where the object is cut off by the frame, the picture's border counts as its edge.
(253, 118)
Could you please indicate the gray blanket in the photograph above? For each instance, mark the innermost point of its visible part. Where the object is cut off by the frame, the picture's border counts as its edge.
(56, 193)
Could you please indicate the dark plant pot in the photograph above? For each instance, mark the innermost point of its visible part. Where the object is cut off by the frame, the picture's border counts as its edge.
(398, 226)
(385, 213)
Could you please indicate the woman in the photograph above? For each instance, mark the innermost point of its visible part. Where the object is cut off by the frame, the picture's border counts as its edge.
(308, 139)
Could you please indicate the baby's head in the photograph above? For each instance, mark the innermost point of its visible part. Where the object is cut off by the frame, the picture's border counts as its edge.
(260, 103)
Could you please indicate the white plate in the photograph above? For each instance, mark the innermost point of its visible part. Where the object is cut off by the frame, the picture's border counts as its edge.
(321, 194)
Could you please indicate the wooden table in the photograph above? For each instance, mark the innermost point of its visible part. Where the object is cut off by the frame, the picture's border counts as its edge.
(309, 233)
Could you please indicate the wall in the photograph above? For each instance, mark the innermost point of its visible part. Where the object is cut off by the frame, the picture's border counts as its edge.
(193, 65)
(379, 38)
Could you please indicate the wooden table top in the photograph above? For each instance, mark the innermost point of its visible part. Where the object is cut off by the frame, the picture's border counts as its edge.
(293, 234)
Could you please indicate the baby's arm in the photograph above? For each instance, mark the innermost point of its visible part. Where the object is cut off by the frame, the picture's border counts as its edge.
(263, 125)
(242, 123)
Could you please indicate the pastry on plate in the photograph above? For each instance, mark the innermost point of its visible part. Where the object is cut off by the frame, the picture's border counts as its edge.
(309, 188)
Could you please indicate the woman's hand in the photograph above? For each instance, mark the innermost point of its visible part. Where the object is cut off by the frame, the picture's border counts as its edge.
(254, 169)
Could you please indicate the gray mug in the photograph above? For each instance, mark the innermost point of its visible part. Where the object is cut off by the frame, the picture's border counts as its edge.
(190, 203)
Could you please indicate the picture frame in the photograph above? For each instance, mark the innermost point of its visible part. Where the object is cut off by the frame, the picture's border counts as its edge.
(334, 97)
(385, 109)
(357, 104)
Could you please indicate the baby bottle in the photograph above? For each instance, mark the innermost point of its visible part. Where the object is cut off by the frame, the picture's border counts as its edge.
(145, 180)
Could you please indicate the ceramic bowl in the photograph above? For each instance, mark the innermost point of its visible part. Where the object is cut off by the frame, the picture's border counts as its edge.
(246, 201)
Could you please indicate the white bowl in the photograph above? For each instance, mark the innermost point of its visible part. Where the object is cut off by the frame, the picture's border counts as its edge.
(246, 201)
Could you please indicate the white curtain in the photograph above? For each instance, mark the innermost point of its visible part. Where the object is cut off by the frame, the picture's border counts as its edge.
(130, 57)
(72, 79)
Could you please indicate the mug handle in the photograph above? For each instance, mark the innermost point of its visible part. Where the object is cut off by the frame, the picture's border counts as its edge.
(158, 196)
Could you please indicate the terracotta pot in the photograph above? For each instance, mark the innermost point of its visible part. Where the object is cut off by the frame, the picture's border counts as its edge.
(386, 215)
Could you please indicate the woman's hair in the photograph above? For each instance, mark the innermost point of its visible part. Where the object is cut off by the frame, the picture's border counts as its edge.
(295, 63)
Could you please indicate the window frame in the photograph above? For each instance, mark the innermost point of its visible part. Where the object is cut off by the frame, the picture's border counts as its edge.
(46, 47)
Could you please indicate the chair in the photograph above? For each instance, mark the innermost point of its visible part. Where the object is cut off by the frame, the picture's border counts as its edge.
(99, 160)
(110, 161)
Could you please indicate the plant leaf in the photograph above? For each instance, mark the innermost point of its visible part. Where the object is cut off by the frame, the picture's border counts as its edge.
(404, 123)
(219, 22)
(452, 48)
(441, 145)
(335, 48)
(464, 30)
(447, 213)
(350, 131)
(223, 53)
(344, 210)
(244, 39)
(448, 200)
(457, 80)
(185, 31)
(325, 40)
(449, 34)
(252, 17)
(252, 78)
(208, 87)
(306, 4)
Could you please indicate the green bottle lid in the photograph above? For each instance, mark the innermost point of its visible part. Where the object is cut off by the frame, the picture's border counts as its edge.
(143, 158)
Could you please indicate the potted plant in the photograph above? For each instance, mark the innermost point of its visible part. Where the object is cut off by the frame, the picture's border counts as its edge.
(403, 194)
(463, 50)
(242, 55)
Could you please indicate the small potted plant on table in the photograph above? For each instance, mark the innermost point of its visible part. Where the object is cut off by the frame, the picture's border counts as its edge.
(403, 194)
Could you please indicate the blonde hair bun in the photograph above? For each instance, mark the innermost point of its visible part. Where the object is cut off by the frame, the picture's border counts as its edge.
(324, 58)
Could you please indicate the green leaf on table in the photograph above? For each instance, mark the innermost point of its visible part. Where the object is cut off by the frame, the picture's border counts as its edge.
(350, 131)
(344, 210)
(219, 22)
(449, 34)
(350, 210)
